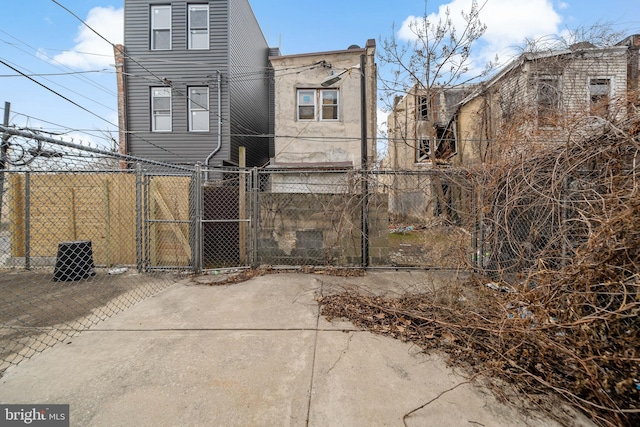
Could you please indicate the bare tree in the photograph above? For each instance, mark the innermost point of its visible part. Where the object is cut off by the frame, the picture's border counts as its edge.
(435, 59)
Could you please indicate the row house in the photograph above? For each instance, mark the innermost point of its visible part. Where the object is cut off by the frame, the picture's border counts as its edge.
(195, 84)
(540, 98)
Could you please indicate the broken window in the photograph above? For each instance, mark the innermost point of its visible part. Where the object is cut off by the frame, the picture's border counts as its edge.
(548, 101)
(423, 153)
(422, 108)
(599, 96)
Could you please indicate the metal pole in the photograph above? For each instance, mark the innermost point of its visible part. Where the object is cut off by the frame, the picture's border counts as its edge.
(3, 153)
(364, 165)
(27, 220)
(198, 243)
(139, 217)
(255, 215)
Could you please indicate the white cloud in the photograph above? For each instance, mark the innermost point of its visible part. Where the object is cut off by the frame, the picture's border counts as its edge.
(508, 23)
(91, 51)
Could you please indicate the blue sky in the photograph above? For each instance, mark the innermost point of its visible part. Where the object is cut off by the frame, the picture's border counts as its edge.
(43, 40)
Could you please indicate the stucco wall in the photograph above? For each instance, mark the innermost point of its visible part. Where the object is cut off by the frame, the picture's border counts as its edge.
(299, 141)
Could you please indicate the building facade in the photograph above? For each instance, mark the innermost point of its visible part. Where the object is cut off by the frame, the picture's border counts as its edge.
(542, 98)
(196, 85)
(318, 121)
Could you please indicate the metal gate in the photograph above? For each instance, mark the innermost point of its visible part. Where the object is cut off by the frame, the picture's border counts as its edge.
(199, 221)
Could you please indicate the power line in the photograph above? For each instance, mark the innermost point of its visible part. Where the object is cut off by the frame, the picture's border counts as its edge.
(79, 77)
(160, 79)
(85, 109)
(64, 87)
(56, 74)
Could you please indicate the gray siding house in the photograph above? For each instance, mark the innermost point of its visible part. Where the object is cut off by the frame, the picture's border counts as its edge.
(196, 83)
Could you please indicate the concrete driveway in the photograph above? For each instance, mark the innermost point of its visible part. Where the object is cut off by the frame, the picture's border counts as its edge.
(255, 353)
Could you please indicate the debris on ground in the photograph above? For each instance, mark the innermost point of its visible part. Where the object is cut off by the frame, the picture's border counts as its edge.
(227, 277)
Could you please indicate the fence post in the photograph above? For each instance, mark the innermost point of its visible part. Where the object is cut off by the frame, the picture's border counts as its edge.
(476, 219)
(3, 153)
(27, 220)
(242, 204)
(564, 218)
(196, 220)
(139, 214)
(255, 216)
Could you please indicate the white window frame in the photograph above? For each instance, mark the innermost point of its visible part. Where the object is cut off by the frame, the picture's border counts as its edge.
(160, 112)
(191, 31)
(317, 105)
(195, 107)
(299, 93)
(336, 105)
(154, 26)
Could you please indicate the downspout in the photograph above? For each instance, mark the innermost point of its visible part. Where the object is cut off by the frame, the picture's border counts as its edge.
(213, 153)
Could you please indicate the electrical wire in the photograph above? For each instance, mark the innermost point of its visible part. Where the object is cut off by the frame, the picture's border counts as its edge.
(79, 77)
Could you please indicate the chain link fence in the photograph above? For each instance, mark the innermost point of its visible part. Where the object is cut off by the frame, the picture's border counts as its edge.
(78, 239)
(84, 235)
(432, 217)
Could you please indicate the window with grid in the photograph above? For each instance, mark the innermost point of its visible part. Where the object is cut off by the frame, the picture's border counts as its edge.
(198, 26)
(325, 110)
(199, 109)
(161, 109)
(160, 27)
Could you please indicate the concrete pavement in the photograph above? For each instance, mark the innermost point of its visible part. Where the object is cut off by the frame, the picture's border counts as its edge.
(255, 353)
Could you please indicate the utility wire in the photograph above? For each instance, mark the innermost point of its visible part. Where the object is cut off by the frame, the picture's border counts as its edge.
(79, 77)
(85, 109)
(55, 74)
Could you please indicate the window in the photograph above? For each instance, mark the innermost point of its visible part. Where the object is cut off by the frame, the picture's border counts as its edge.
(548, 101)
(599, 96)
(160, 27)
(308, 104)
(422, 108)
(161, 109)
(445, 147)
(329, 105)
(199, 109)
(423, 150)
(198, 26)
